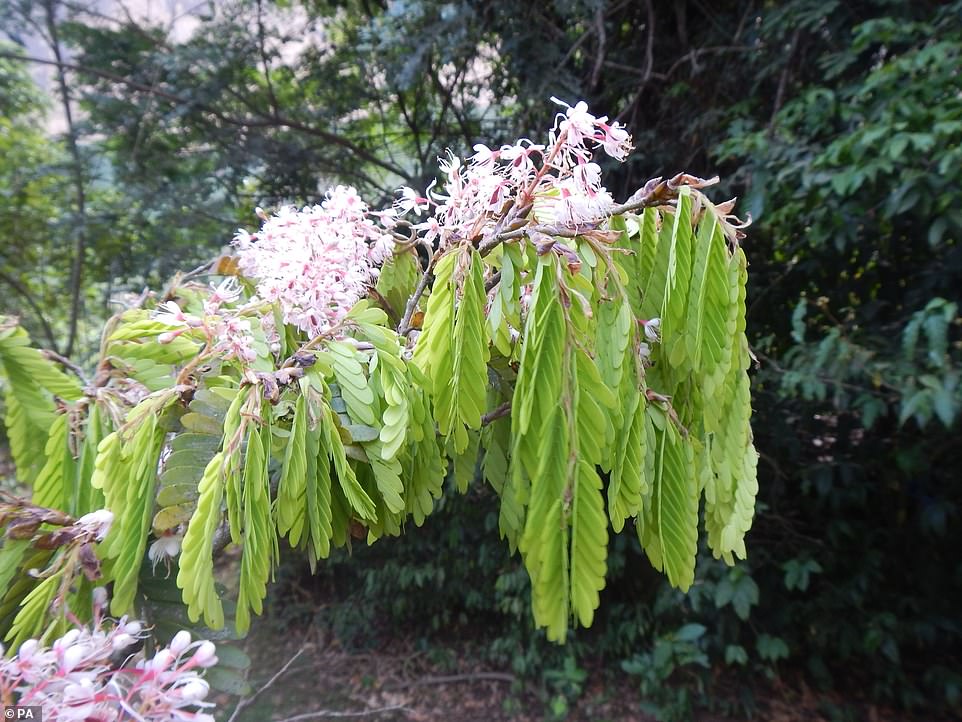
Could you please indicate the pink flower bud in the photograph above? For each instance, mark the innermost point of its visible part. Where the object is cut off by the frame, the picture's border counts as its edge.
(180, 642)
(162, 660)
(206, 655)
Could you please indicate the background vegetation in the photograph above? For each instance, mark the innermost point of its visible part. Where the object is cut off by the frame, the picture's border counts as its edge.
(838, 124)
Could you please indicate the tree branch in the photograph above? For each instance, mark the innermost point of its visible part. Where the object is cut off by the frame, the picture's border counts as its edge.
(80, 230)
(66, 363)
(451, 678)
(493, 415)
(34, 306)
(261, 120)
(247, 701)
(405, 326)
(331, 713)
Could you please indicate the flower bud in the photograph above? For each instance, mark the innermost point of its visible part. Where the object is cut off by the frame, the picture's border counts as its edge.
(162, 660)
(121, 641)
(180, 642)
(206, 655)
(195, 689)
(73, 656)
(27, 649)
(100, 597)
(67, 639)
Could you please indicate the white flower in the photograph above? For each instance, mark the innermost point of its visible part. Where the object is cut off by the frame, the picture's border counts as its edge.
(315, 263)
(194, 689)
(409, 201)
(206, 655)
(616, 141)
(180, 642)
(164, 549)
(653, 329)
(96, 523)
(484, 156)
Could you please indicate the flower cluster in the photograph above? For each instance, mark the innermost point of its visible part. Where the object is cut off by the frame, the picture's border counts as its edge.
(315, 262)
(228, 326)
(497, 185)
(95, 675)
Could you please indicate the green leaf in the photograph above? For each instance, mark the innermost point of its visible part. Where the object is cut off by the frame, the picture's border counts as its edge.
(260, 541)
(589, 544)
(354, 493)
(354, 384)
(461, 379)
(628, 480)
(290, 509)
(675, 502)
(544, 543)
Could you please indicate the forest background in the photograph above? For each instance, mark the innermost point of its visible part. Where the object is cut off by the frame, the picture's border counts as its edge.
(839, 126)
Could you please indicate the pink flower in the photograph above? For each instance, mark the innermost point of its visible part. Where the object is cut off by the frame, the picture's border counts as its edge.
(410, 201)
(317, 262)
(616, 141)
(77, 678)
(576, 123)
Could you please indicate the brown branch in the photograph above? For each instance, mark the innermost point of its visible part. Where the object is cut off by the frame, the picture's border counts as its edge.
(263, 53)
(600, 55)
(405, 326)
(783, 82)
(658, 195)
(497, 413)
(66, 363)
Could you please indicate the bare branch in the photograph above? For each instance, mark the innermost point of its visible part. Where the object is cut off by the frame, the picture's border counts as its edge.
(247, 701)
(405, 326)
(452, 678)
(600, 55)
(80, 229)
(66, 363)
(28, 298)
(332, 713)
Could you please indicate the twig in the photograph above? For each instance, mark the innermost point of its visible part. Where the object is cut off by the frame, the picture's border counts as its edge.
(660, 195)
(452, 678)
(600, 56)
(66, 363)
(248, 700)
(34, 304)
(783, 82)
(405, 326)
(332, 713)
(495, 414)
